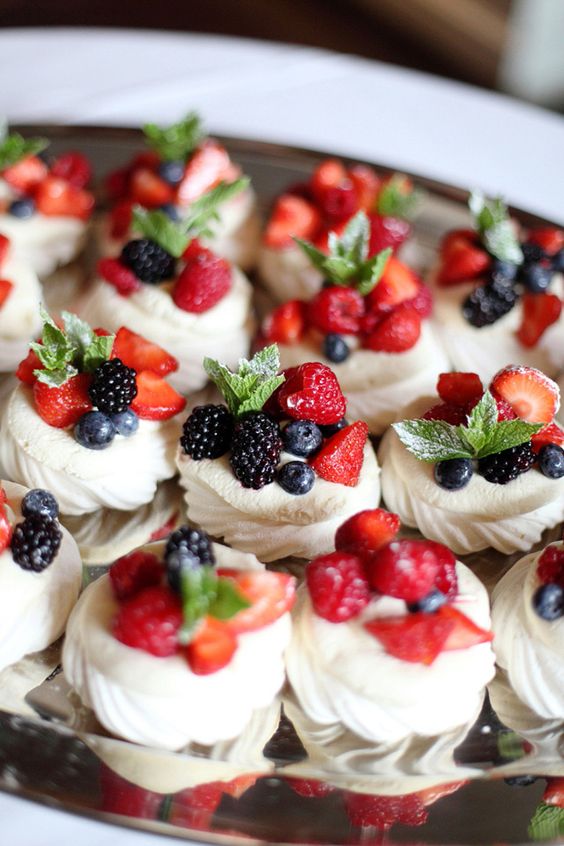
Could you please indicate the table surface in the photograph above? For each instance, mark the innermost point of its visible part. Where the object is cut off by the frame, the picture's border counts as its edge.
(287, 94)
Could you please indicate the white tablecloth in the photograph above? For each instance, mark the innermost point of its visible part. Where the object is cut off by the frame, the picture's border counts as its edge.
(279, 93)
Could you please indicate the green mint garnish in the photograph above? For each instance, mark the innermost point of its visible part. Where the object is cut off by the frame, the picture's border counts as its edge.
(174, 236)
(492, 222)
(347, 262)
(398, 199)
(66, 352)
(176, 142)
(204, 592)
(254, 382)
(14, 147)
(510, 745)
(547, 823)
(483, 434)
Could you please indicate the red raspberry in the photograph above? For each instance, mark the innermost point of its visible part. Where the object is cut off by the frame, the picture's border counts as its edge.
(383, 811)
(337, 586)
(454, 414)
(286, 324)
(338, 202)
(447, 580)
(150, 621)
(387, 232)
(336, 310)
(397, 332)
(367, 531)
(74, 168)
(134, 572)
(550, 568)
(405, 569)
(203, 283)
(117, 274)
(312, 392)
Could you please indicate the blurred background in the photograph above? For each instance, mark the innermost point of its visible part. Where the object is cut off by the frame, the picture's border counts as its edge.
(514, 46)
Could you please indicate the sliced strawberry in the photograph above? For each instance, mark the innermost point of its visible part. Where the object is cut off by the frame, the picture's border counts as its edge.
(367, 531)
(462, 261)
(212, 647)
(117, 274)
(386, 231)
(55, 197)
(340, 458)
(5, 525)
(458, 236)
(446, 580)
(366, 184)
(417, 638)
(208, 166)
(554, 792)
(270, 594)
(120, 219)
(149, 190)
(404, 569)
(549, 238)
(26, 367)
(74, 168)
(422, 302)
(286, 324)
(460, 388)
(329, 174)
(63, 406)
(146, 158)
(531, 394)
(455, 414)
(551, 434)
(336, 309)
(397, 284)
(310, 788)
(292, 217)
(465, 632)
(26, 174)
(504, 410)
(119, 796)
(4, 248)
(6, 288)
(397, 332)
(203, 283)
(539, 312)
(312, 392)
(382, 812)
(156, 399)
(137, 352)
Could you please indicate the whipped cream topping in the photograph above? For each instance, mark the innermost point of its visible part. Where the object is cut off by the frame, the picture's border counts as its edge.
(271, 522)
(508, 517)
(20, 321)
(528, 648)
(288, 273)
(160, 701)
(223, 332)
(123, 476)
(341, 673)
(36, 605)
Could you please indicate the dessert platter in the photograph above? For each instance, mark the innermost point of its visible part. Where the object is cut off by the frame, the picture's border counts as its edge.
(283, 491)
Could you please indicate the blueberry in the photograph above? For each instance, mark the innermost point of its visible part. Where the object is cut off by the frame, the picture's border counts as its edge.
(536, 278)
(520, 780)
(38, 501)
(171, 211)
(454, 473)
(126, 422)
(302, 437)
(23, 209)
(94, 430)
(296, 478)
(335, 348)
(333, 428)
(171, 172)
(557, 262)
(548, 601)
(504, 269)
(429, 603)
(532, 252)
(551, 461)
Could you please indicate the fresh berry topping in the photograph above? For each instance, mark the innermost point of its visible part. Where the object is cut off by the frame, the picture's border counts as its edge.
(286, 324)
(55, 197)
(453, 474)
(454, 414)
(113, 386)
(337, 586)
(460, 388)
(203, 283)
(396, 332)
(35, 542)
(465, 632)
(137, 352)
(149, 190)
(255, 449)
(551, 434)
(208, 165)
(207, 432)
(341, 457)
(551, 565)
(429, 603)
(74, 168)
(397, 284)
(291, 217)
(334, 191)
(312, 392)
(554, 792)
(461, 262)
(386, 231)
(302, 437)
(132, 573)
(171, 171)
(502, 467)
(211, 648)
(296, 478)
(332, 428)
(550, 239)
(548, 601)
(270, 595)
(22, 209)
(531, 394)
(532, 252)
(505, 412)
(156, 399)
(336, 310)
(422, 302)
(382, 812)
(309, 788)
(539, 312)
(117, 274)
(5, 525)
(551, 461)
(25, 370)
(95, 430)
(26, 174)
(366, 184)
(148, 260)
(126, 423)
(536, 278)
(65, 405)
(150, 620)
(186, 548)
(490, 302)
(367, 531)
(446, 580)
(405, 569)
(38, 501)
(121, 217)
(6, 288)
(335, 348)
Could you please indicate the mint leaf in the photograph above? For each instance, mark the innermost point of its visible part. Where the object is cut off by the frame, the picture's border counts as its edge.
(398, 199)
(493, 224)
(265, 363)
(158, 227)
(178, 141)
(480, 422)
(432, 440)
(507, 434)
(56, 378)
(55, 352)
(97, 352)
(354, 240)
(372, 271)
(510, 745)
(257, 399)
(547, 823)
(199, 590)
(206, 208)
(316, 257)
(228, 600)
(14, 147)
(66, 353)
(79, 333)
(251, 386)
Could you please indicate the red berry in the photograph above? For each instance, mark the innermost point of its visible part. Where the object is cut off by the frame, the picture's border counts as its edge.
(551, 434)
(137, 352)
(117, 274)
(460, 388)
(457, 237)
(454, 414)
(286, 324)
(462, 262)
(156, 399)
(549, 238)
(336, 310)
(5, 525)
(270, 595)
(207, 167)
(26, 174)
(56, 197)
(366, 184)
(554, 792)
(397, 332)
(397, 284)
(6, 288)
(341, 457)
(387, 232)
(292, 217)
(134, 572)
(367, 531)
(329, 174)
(150, 621)
(405, 569)
(539, 312)
(212, 647)
(417, 638)
(337, 586)
(446, 580)
(148, 189)
(383, 811)
(310, 788)
(550, 567)
(531, 394)
(74, 168)
(120, 219)
(25, 371)
(312, 392)
(465, 632)
(422, 302)
(339, 202)
(65, 405)
(203, 283)
(4, 248)
(504, 410)
(119, 796)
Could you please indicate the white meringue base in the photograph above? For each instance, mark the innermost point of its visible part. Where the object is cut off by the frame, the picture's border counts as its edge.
(288, 274)
(20, 321)
(45, 242)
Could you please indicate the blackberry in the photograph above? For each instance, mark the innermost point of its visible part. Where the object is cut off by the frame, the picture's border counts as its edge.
(207, 432)
(113, 387)
(186, 548)
(504, 466)
(489, 302)
(256, 449)
(148, 261)
(35, 542)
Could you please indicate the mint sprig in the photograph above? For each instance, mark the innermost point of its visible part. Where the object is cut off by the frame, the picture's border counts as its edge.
(547, 823)
(204, 592)
(254, 382)
(493, 224)
(398, 199)
(483, 434)
(347, 264)
(178, 141)
(66, 352)
(14, 147)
